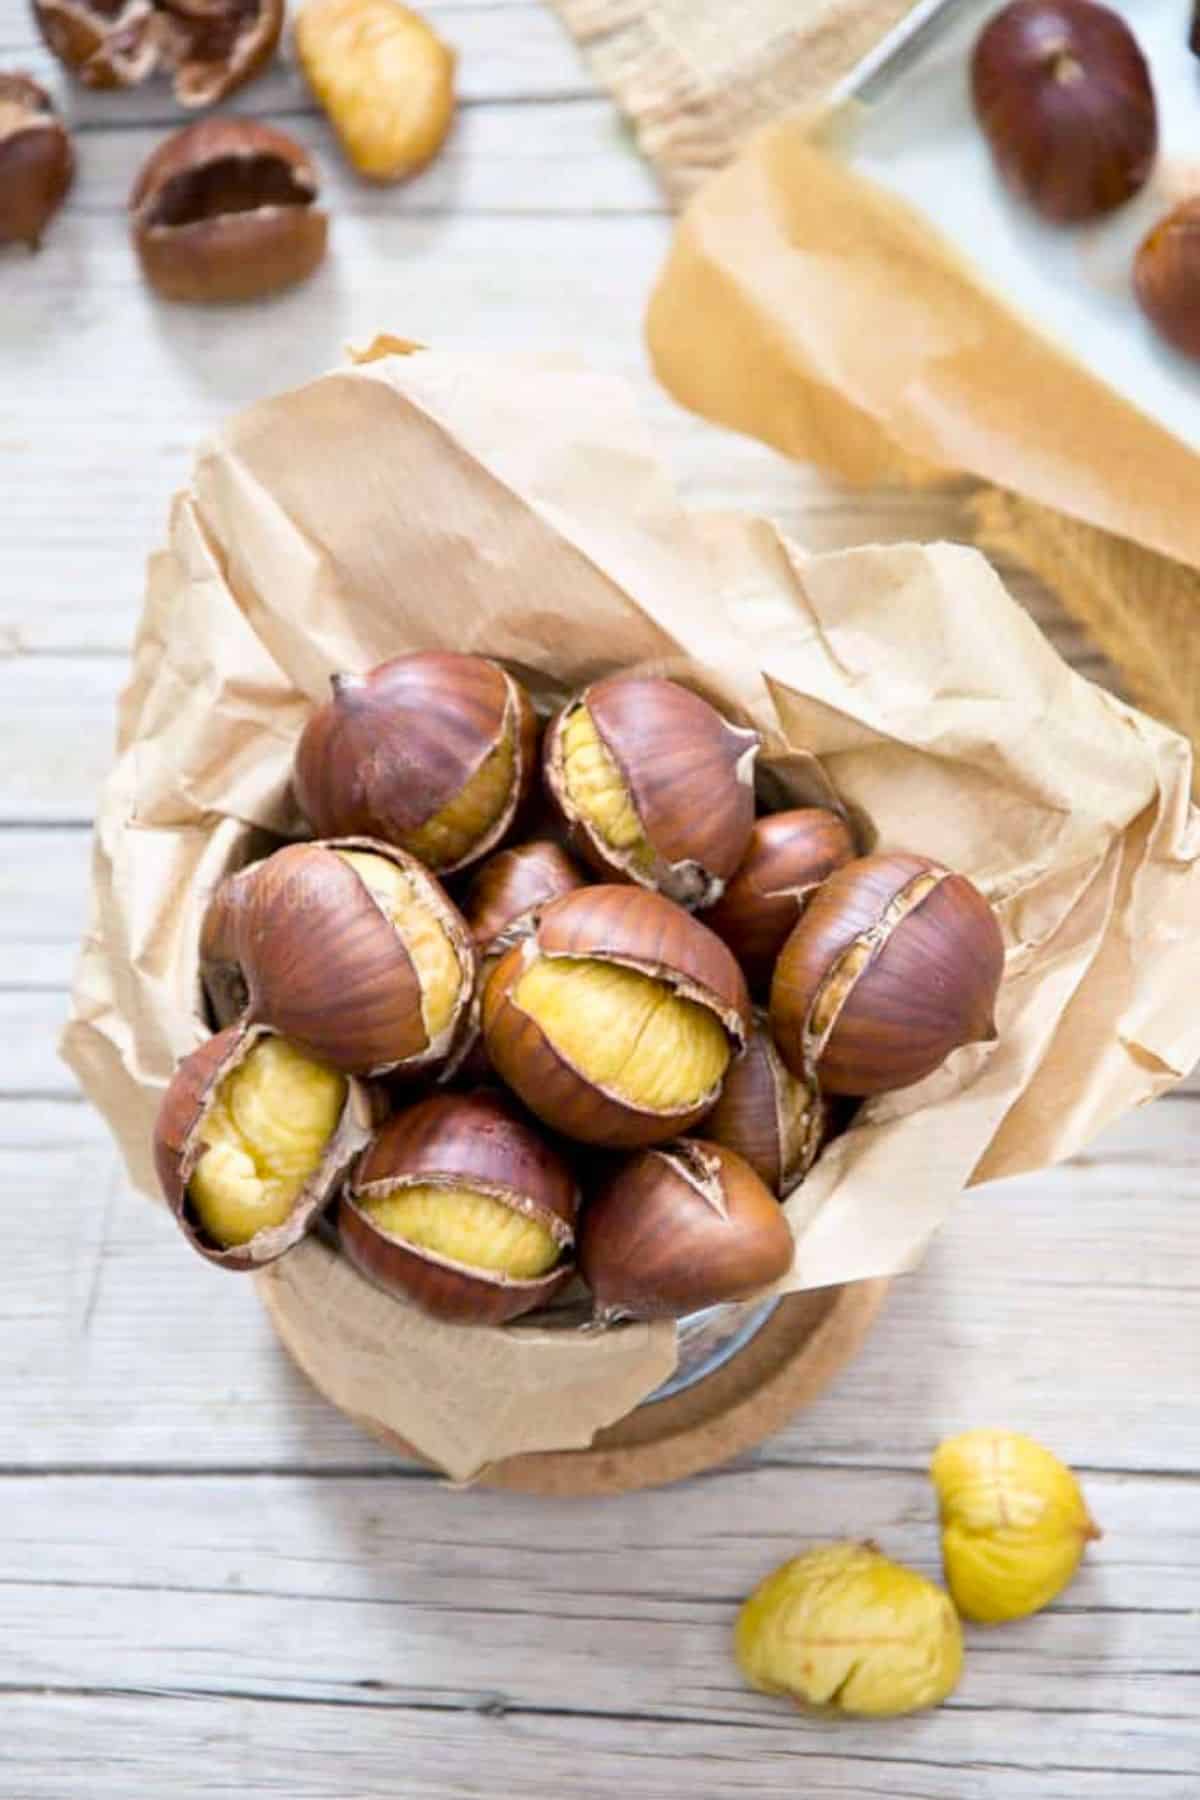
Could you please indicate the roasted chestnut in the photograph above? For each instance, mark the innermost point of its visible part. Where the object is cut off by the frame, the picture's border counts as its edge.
(251, 1140)
(894, 964)
(1167, 277)
(433, 751)
(1064, 96)
(616, 1018)
(510, 887)
(654, 785)
(350, 948)
(789, 856)
(210, 47)
(37, 163)
(385, 78)
(774, 1120)
(681, 1227)
(462, 1208)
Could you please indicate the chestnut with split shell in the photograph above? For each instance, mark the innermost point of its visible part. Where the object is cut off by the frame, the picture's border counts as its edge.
(459, 1206)
(654, 786)
(616, 1018)
(209, 47)
(774, 1120)
(789, 855)
(433, 752)
(37, 163)
(251, 1140)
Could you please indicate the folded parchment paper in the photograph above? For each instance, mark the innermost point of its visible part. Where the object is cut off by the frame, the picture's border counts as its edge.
(515, 507)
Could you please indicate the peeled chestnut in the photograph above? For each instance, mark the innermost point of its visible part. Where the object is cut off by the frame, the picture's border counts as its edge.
(226, 210)
(774, 1120)
(251, 1140)
(1167, 277)
(894, 964)
(1064, 96)
(678, 1228)
(210, 47)
(350, 948)
(462, 1208)
(37, 163)
(654, 785)
(616, 1018)
(433, 751)
(789, 856)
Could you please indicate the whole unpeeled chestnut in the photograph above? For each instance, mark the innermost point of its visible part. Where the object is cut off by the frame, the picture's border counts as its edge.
(774, 1120)
(789, 855)
(350, 948)
(37, 163)
(616, 1018)
(654, 785)
(1166, 277)
(1064, 96)
(895, 963)
(462, 1208)
(433, 751)
(680, 1227)
(210, 47)
(251, 1140)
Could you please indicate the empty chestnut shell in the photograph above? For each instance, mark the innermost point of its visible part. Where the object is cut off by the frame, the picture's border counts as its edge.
(210, 47)
(1064, 96)
(774, 1120)
(37, 163)
(225, 210)
(789, 856)
(681, 1227)
(616, 1018)
(654, 786)
(350, 948)
(433, 751)
(459, 1206)
(1167, 277)
(894, 964)
(234, 1144)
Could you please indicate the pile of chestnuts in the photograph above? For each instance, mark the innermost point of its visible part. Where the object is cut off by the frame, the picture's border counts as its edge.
(510, 1032)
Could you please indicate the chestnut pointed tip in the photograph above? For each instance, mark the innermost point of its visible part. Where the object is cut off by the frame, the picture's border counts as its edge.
(345, 685)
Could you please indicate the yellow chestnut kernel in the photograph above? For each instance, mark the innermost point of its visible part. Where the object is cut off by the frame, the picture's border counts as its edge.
(265, 1134)
(425, 938)
(597, 791)
(452, 833)
(465, 1226)
(1014, 1523)
(844, 1628)
(625, 1031)
(384, 77)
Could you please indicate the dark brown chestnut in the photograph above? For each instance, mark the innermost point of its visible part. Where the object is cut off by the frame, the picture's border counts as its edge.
(251, 1140)
(773, 1119)
(894, 964)
(654, 786)
(790, 854)
(210, 47)
(616, 1018)
(462, 1208)
(510, 887)
(1064, 96)
(37, 163)
(433, 751)
(1167, 277)
(680, 1227)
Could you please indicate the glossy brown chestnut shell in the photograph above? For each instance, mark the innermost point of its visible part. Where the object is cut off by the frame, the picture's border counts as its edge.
(1167, 277)
(37, 163)
(225, 210)
(298, 942)
(477, 1141)
(688, 772)
(1065, 100)
(635, 929)
(894, 964)
(178, 1146)
(680, 1227)
(774, 1120)
(210, 47)
(789, 855)
(393, 750)
(511, 886)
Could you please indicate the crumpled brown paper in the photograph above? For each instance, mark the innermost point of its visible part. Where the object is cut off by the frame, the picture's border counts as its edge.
(515, 506)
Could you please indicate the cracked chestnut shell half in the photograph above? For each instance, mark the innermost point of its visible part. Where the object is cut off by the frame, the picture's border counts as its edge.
(226, 210)
(209, 47)
(655, 787)
(350, 948)
(1065, 100)
(895, 963)
(680, 1227)
(789, 855)
(251, 1140)
(774, 1120)
(37, 163)
(615, 1020)
(433, 751)
(461, 1207)
(1166, 277)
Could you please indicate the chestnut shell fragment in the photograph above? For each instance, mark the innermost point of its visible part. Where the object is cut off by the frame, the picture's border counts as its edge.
(210, 47)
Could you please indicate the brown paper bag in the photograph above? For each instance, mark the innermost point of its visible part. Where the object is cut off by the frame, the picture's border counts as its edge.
(516, 507)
